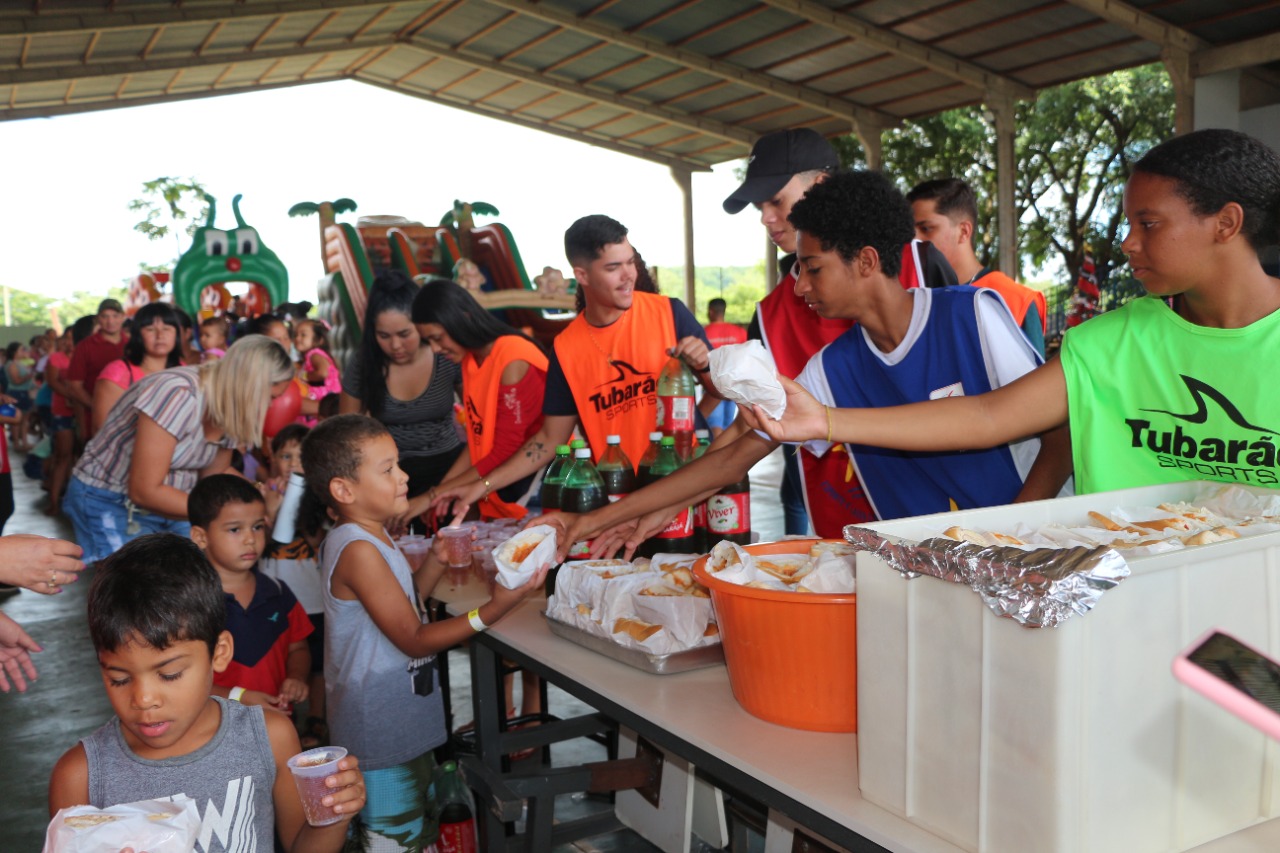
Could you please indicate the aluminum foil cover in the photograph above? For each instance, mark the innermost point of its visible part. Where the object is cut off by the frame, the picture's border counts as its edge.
(1038, 588)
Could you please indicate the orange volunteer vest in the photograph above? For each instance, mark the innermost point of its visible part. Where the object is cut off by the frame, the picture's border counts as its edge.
(1018, 297)
(481, 385)
(619, 396)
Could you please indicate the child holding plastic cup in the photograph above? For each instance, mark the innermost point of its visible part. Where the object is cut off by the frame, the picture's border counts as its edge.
(156, 617)
(381, 649)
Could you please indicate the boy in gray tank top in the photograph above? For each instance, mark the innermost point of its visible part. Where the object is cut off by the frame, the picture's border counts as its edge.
(379, 660)
(157, 616)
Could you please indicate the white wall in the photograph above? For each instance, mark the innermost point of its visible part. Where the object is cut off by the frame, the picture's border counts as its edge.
(1218, 105)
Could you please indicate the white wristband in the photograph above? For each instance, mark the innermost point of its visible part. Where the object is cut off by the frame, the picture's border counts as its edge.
(476, 622)
(235, 694)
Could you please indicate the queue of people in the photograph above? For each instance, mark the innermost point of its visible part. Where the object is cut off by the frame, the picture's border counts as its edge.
(908, 393)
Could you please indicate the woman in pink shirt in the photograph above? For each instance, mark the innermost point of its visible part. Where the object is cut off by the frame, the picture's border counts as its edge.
(152, 346)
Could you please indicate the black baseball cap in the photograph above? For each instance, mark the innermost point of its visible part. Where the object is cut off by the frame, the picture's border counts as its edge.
(110, 305)
(775, 159)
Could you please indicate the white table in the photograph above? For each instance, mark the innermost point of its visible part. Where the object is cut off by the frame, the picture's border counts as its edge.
(810, 777)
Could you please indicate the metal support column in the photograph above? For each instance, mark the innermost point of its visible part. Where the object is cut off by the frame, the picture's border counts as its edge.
(869, 135)
(1002, 107)
(684, 179)
(770, 264)
(1178, 63)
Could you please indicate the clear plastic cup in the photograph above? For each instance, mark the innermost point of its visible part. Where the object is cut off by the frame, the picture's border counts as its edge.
(310, 769)
(415, 551)
(457, 546)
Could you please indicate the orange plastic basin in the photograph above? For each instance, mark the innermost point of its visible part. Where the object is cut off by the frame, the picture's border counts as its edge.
(792, 656)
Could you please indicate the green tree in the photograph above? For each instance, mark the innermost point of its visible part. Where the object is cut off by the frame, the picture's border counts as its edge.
(32, 309)
(959, 144)
(170, 207)
(1077, 146)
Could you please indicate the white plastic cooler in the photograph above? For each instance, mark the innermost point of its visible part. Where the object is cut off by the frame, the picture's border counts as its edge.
(1077, 738)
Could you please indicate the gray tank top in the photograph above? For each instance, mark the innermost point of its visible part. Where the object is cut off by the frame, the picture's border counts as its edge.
(384, 707)
(230, 778)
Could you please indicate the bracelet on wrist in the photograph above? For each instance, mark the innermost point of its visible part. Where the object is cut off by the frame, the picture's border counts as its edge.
(235, 694)
(477, 624)
(829, 429)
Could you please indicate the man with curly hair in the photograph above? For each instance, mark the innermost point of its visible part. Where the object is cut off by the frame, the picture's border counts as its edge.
(905, 345)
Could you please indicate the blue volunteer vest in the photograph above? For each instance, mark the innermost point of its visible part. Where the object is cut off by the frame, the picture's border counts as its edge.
(947, 360)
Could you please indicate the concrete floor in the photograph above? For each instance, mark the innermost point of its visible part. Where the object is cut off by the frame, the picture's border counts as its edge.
(67, 701)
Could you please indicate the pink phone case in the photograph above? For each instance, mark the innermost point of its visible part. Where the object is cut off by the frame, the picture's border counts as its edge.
(1223, 692)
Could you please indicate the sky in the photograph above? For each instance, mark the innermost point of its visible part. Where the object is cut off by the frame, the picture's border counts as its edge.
(65, 225)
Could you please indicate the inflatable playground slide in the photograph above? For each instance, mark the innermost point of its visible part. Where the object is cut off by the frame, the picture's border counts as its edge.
(353, 256)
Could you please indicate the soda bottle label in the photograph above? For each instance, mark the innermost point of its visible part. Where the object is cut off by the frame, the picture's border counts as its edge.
(675, 414)
(580, 550)
(457, 837)
(700, 515)
(729, 514)
(616, 498)
(678, 527)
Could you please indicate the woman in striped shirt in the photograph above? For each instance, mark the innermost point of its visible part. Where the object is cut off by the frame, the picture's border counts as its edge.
(167, 431)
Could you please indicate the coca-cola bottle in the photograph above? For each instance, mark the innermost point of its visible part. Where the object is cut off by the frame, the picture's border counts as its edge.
(553, 480)
(677, 404)
(677, 536)
(646, 461)
(457, 812)
(583, 491)
(616, 470)
(729, 514)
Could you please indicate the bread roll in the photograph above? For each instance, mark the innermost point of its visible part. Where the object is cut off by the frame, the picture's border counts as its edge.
(636, 629)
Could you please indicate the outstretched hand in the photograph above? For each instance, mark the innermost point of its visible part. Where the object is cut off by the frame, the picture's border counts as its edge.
(804, 419)
(16, 666)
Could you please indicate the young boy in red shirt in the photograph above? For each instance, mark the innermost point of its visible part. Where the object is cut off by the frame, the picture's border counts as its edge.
(272, 662)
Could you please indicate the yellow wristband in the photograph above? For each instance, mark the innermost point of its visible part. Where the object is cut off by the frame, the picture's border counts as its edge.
(829, 430)
(476, 622)
(235, 694)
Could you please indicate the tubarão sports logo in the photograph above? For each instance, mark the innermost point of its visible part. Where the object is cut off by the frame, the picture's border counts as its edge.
(626, 391)
(1221, 447)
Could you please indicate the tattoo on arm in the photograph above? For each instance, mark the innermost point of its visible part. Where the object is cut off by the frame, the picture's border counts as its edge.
(535, 450)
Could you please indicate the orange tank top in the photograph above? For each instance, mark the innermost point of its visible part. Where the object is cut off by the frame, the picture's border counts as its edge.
(481, 386)
(613, 372)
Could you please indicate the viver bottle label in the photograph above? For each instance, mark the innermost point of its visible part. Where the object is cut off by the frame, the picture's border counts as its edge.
(728, 514)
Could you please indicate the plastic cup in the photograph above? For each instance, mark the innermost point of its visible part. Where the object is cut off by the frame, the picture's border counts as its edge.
(310, 769)
(415, 551)
(457, 546)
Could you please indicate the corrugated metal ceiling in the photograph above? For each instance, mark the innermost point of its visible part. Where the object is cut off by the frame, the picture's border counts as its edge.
(684, 82)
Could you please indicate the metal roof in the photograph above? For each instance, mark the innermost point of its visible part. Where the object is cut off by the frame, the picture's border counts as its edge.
(689, 83)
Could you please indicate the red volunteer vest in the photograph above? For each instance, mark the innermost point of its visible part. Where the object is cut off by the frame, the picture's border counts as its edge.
(619, 396)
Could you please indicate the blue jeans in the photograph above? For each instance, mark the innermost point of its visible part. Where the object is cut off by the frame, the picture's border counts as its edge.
(101, 520)
(795, 518)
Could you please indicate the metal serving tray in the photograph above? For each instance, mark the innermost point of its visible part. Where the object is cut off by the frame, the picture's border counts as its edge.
(699, 658)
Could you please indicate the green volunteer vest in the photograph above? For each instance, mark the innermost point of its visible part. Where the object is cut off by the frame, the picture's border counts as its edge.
(1155, 399)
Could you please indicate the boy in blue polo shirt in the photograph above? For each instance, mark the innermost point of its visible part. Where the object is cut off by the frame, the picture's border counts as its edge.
(272, 662)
